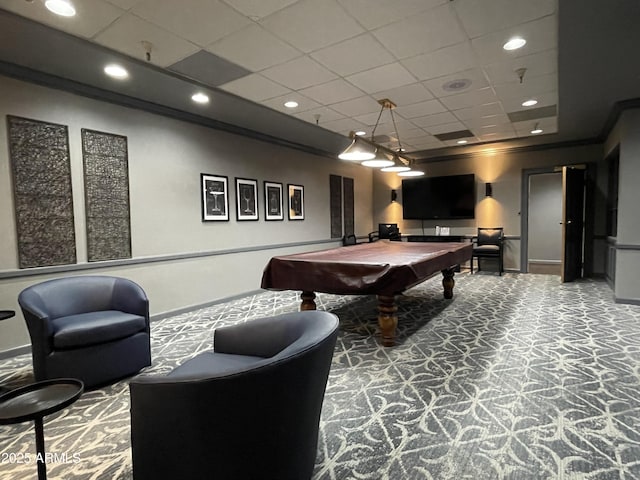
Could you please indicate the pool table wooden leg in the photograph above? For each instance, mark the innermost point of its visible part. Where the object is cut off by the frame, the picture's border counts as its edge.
(448, 282)
(387, 319)
(308, 301)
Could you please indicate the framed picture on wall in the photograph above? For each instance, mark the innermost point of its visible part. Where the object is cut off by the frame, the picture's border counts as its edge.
(215, 200)
(273, 201)
(296, 202)
(247, 199)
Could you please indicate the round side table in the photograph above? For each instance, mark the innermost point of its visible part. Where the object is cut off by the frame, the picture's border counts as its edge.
(34, 402)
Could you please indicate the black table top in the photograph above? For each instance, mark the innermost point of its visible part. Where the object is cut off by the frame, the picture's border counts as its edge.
(4, 314)
(38, 399)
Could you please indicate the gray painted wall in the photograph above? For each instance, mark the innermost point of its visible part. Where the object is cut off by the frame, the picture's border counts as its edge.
(166, 157)
(627, 264)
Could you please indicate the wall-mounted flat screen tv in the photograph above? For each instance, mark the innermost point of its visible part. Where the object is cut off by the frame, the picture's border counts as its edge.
(439, 198)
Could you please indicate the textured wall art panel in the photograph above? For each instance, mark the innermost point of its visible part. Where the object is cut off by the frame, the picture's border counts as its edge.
(348, 198)
(335, 205)
(106, 185)
(42, 192)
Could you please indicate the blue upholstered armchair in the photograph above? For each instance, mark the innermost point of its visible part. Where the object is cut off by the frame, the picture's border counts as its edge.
(93, 328)
(248, 409)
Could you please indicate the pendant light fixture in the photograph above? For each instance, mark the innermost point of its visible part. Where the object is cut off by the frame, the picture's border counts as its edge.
(378, 156)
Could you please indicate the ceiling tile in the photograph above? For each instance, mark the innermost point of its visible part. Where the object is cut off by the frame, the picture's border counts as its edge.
(125, 4)
(411, 134)
(353, 55)
(475, 111)
(421, 109)
(537, 64)
(446, 128)
(544, 100)
(344, 125)
(405, 95)
(444, 61)
(376, 13)
(532, 86)
(476, 78)
(422, 33)
(209, 68)
(254, 48)
(548, 125)
(326, 114)
(481, 18)
(479, 122)
(301, 72)
(357, 106)
(469, 99)
(199, 21)
(257, 9)
(304, 103)
(255, 87)
(540, 35)
(332, 92)
(127, 33)
(382, 78)
(311, 25)
(436, 119)
(429, 141)
(91, 15)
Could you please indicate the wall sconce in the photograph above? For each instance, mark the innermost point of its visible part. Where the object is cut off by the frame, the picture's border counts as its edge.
(488, 190)
(394, 195)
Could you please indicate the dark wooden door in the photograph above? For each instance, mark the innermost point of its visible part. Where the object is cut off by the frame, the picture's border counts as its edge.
(572, 222)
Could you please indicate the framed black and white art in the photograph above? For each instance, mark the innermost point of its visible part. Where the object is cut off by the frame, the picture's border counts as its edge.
(247, 199)
(296, 202)
(273, 201)
(215, 199)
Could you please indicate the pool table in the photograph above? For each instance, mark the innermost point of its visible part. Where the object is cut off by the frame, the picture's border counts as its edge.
(383, 268)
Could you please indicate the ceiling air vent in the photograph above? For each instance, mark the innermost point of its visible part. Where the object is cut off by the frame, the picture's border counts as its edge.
(454, 135)
(533, 113)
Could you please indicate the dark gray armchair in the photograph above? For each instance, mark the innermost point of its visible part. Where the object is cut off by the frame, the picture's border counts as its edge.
(489, 244)
(93, 328)
(249, 409)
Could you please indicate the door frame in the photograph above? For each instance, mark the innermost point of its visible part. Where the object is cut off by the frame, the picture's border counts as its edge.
(524, 213)
(589, 213)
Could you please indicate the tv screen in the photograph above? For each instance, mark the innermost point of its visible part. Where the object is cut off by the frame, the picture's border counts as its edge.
(435, 198)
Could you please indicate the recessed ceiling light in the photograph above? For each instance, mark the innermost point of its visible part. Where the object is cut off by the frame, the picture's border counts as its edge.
(462, 142)
(529, 103)
(291, 104)
(200, 97)
(361, 133)
(514, 43)
(116, 71)
(63, 8)
(535, 131)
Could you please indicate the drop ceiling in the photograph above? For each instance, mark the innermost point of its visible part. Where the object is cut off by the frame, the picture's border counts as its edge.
(440, 61)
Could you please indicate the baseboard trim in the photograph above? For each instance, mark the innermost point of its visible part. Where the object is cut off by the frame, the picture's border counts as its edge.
(14, 352)
(627, 301)
(191, 308)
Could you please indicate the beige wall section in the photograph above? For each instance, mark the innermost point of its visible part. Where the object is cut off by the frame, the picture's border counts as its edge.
(503, 171)
(166, 158)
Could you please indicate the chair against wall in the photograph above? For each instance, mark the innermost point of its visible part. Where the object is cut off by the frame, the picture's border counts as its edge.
(93, 328)
(349, 240)
(489, 244)
(249, 409)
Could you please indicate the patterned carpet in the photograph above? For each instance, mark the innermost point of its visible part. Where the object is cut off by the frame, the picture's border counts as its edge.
(518, 377)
